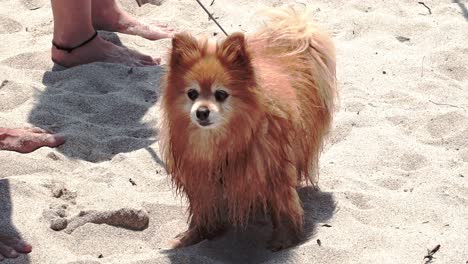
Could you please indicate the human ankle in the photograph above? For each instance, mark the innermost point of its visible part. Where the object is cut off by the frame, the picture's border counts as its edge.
(73, 38)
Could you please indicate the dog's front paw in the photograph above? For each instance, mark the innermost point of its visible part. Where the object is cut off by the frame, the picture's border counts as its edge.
(282, 239)
(187, 238)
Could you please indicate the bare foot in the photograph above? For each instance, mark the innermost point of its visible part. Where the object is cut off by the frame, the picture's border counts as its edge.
(11, 247)
(27, 139)
(108, 16)
(104, 51)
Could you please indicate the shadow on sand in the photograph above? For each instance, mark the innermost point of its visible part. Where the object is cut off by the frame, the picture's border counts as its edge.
(249, 246)
(99, 107)
(463, 8)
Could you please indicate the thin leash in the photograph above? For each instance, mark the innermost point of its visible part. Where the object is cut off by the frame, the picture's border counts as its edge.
(142, 2)
(212, 18)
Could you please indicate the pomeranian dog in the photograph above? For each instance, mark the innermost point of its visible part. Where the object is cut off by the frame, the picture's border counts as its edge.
(244, 120)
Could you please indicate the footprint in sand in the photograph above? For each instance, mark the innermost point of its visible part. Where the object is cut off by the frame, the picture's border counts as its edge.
(60, 191)
(30, 61)
(392, 184)
(57, 213)
(450, 64)
(398, 98)
(151, 2)
(340, 132)
(359, 200)
(464, 154)
(128, 218)
(403, 122)
(13, 94)
(446, 124)
(354, 106)
(33, 4)
(402, 158)
(449, 129)
(412, 161)
(8, 25)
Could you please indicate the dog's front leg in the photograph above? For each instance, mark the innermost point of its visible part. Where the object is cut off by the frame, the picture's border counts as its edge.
(287, 218)
(207, 220)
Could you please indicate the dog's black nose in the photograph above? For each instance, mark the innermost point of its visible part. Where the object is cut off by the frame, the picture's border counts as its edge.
(203, 113)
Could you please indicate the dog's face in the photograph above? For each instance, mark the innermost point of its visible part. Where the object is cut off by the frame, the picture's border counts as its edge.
(209, 106)
(209, 85)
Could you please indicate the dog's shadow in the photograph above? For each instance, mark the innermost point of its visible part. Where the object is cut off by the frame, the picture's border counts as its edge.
(249, 245)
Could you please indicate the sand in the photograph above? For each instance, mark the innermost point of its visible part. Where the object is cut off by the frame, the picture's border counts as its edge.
(394, 173)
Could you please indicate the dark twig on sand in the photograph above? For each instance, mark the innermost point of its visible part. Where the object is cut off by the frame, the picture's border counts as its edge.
(444, 104)
(212, 2)
(422, 3)
(430, 254)
(402, 39)
(132, 182)
(3, 83)
(422, 66)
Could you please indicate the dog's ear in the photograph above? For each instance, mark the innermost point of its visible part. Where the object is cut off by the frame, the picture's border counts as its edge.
(185, 49)
(233, 51)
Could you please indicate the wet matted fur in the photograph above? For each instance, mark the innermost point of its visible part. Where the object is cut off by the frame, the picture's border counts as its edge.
(267, 134)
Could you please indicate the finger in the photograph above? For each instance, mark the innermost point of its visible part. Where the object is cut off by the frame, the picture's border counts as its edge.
(157, 61)
(29, 144)
(38, 130)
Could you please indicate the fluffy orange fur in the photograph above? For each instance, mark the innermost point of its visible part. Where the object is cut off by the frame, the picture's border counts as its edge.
(282, 84)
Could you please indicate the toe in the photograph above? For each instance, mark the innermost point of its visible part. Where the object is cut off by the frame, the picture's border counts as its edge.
(38, 130)
(157, 61)
(20, 246)
(7, 251)
(146, 60)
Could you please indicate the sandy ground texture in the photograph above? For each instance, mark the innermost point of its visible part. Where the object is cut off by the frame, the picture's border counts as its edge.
(394, 174)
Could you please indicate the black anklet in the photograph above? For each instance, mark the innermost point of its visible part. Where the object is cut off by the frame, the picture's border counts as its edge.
(69, 50)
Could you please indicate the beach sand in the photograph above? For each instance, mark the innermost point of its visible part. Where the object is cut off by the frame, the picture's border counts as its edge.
(393, 175)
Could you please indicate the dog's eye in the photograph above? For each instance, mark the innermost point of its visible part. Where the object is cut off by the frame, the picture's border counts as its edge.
(221, 95)
(192, 94)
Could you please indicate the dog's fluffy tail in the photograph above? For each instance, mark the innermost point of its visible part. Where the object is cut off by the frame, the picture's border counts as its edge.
(290, 31)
